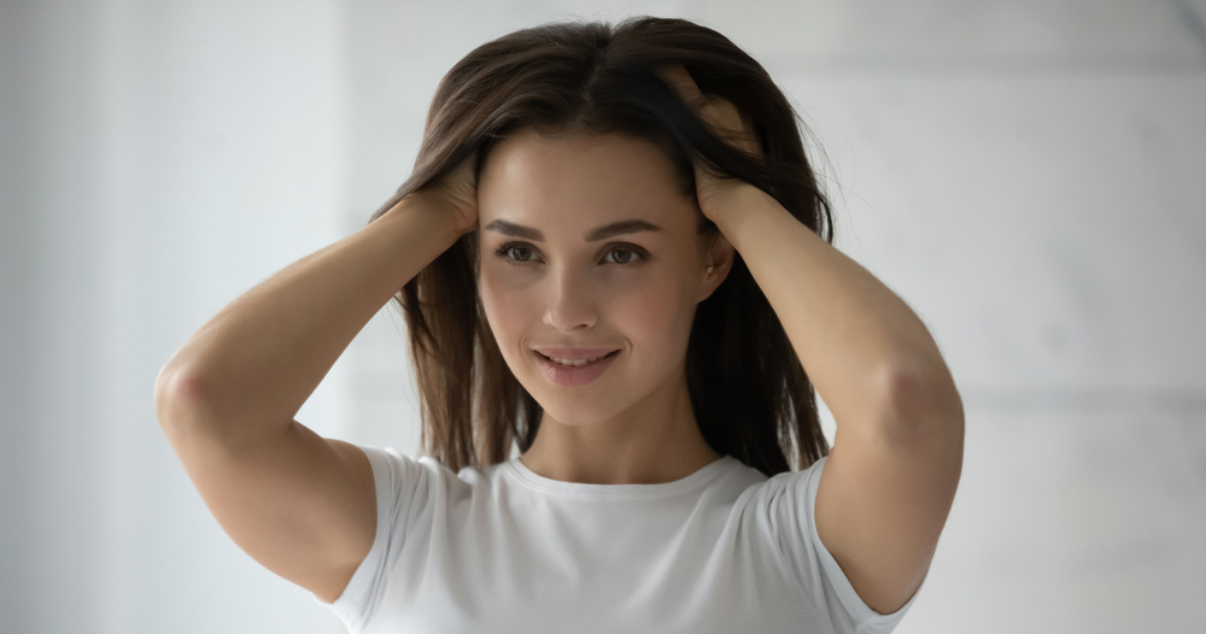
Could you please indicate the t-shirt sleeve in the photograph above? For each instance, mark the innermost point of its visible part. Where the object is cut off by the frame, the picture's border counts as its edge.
(402, 486)
(792, 499)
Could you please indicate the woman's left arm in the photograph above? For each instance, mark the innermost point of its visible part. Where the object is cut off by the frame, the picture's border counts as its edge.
(889, 483)
(867, 353)
(889, 480)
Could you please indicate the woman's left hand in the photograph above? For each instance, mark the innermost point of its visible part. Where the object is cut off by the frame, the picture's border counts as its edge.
(716, 194)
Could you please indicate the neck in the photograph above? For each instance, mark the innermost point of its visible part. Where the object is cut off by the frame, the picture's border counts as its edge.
(656, 440)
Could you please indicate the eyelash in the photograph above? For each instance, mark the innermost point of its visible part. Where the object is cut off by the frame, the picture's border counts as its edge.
(640, 253)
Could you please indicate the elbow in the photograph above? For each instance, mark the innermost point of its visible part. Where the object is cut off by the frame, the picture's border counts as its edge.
(924, 397)
(175, 389)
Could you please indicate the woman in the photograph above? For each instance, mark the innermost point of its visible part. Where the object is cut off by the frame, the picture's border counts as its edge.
(608, 260)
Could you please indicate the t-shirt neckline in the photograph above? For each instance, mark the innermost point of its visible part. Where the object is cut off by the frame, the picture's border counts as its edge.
(533, 480)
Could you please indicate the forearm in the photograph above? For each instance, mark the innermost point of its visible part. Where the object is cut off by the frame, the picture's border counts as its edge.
(865, 351)
(254, 364)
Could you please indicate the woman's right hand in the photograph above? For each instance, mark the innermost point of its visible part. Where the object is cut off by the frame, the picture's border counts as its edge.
(456, 194)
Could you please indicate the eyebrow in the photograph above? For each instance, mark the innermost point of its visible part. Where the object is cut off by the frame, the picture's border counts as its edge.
(594, 235)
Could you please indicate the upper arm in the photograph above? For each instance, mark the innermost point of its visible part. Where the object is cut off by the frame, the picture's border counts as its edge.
(883, 500)
(301, 505)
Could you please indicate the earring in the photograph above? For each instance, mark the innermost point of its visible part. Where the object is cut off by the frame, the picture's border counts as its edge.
(709, 268)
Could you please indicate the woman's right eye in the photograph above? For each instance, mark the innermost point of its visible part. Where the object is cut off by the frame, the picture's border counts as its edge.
(505, 250)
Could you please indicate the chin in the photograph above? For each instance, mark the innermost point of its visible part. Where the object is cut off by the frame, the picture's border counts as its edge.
(571, 413)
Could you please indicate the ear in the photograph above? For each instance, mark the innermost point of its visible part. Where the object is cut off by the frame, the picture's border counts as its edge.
(721, 258)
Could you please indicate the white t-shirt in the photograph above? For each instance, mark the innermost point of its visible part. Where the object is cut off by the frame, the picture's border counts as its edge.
(504, 550)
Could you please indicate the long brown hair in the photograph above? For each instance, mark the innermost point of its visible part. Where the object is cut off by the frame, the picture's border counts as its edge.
(750, 394)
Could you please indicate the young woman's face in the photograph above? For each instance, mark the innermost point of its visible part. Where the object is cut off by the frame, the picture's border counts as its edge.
(547, 281)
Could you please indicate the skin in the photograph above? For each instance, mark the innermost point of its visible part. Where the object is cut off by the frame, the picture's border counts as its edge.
(634, 424)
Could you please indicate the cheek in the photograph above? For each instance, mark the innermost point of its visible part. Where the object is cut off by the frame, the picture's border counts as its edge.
(506, 310)
(655, 317)
(650, 309)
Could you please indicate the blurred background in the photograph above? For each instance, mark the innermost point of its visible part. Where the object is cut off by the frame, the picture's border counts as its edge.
(1030, 176)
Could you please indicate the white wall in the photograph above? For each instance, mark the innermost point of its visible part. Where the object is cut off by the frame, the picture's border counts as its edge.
(1026, 175)
(160, 159)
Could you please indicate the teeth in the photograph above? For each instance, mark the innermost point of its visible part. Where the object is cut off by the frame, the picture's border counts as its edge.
(578, 362)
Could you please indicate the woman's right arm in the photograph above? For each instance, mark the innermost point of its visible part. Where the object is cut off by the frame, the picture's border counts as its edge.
(301, 505)
(251, 367)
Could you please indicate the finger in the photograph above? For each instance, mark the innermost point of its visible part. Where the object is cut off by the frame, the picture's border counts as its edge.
(725, 116)
(732, 125)
(716, 118)
(721, 116)
(677, 77)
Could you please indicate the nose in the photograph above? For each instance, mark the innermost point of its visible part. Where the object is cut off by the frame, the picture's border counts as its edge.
(570, 300)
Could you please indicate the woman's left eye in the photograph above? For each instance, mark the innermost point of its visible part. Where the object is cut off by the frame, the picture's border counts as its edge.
(634, 253)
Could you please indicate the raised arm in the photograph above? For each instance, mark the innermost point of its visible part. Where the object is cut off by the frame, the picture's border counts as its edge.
(252, 366)
(301, 505)
(890, 479)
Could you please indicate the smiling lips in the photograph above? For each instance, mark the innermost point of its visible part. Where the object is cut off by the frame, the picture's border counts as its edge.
(577, 375)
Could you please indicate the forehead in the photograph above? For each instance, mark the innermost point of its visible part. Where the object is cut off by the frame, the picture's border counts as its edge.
(531, 178)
